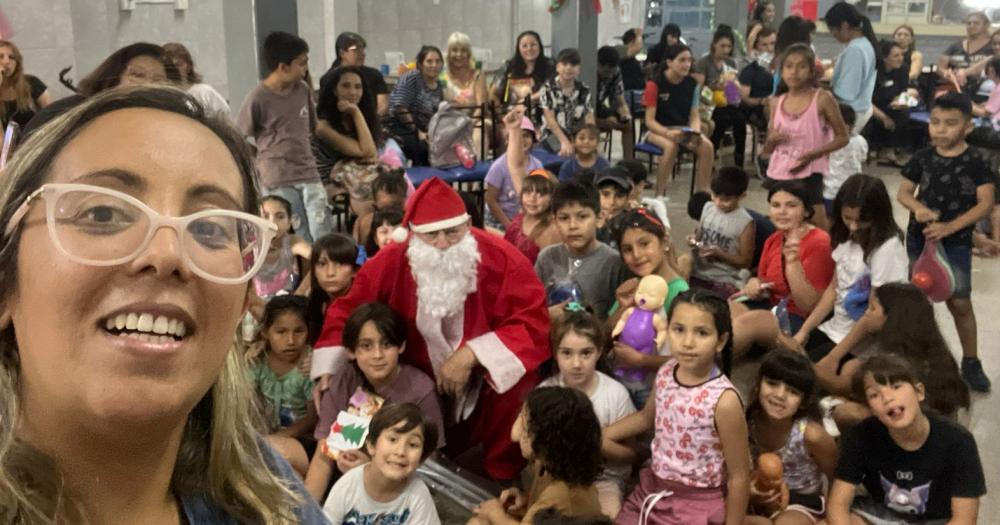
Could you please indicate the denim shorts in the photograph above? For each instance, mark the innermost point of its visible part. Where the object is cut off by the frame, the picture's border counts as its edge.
(959, 257)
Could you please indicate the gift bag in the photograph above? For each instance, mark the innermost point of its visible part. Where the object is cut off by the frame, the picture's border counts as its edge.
(932, 273)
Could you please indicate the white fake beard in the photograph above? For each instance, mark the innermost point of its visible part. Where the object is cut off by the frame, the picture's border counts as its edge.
(444, 277)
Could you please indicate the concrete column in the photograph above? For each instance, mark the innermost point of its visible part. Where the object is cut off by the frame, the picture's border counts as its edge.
(241, 50)
(732, 13)
(575, 25)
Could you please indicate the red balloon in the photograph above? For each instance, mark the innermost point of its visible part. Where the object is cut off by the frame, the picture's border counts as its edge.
(923, 281)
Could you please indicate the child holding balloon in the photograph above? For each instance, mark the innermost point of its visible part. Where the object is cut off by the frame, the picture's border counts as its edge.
(955, 192)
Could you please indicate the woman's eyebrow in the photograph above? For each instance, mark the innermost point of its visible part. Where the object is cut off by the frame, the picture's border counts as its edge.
(213, 192)
(126, 178)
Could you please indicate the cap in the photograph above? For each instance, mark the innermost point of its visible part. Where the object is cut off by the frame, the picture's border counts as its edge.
(616, 174)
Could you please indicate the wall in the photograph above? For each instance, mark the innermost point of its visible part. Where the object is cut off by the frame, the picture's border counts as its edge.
(43, 30)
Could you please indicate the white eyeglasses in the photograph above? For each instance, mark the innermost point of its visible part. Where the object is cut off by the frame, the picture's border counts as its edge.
(102, 227)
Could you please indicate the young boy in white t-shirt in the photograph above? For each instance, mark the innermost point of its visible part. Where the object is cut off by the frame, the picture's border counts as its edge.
(386, 490)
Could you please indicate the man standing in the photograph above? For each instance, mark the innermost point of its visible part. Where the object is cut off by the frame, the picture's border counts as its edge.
(477, 321)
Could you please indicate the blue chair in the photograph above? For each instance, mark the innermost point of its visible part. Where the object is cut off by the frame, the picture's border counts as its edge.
(653, 151)
(419, 174)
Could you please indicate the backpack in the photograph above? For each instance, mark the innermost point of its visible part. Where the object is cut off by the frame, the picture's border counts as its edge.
(448, 128)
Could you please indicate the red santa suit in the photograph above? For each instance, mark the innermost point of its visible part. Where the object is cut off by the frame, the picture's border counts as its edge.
(504, 322)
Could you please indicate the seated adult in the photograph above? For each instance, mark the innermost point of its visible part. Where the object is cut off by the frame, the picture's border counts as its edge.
(349, 140)
(673, 119)
(522, 78)
(631, 69)
(21, 94)
(108, 419)
(670, 36)
(476, 315)
(712, 71)
(887, 131)
(913, 60)
(350, 48)
(135, 64)
(465, 85)
(796, 263)
(761, 18)
(191, 80)
(757, 80)
(954, 64)
(413, 102)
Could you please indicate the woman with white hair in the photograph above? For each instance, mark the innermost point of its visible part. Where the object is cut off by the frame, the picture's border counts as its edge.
(465, 84)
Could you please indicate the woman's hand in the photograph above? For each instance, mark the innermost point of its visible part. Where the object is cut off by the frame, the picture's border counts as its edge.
(887, 122)
(626, 293)
(346, 107)
(349, 459)
(675, 135)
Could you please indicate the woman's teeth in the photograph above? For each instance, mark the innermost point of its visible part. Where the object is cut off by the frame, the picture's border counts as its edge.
(146, 324)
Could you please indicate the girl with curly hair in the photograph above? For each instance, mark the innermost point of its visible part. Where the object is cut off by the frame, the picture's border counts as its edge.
(560, 436)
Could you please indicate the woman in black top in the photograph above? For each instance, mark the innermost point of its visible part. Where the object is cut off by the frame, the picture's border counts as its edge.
(671, 35)
(350, 49)
(524, 75)
(956, 62)
(913, 60)
(22, 95)
(887, 127)
(671, 101)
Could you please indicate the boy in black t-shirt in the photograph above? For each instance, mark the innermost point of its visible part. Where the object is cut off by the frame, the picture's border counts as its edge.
(917, 468)
(955, 192)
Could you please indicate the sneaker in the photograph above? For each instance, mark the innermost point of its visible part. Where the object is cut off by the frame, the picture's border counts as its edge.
(972, 372)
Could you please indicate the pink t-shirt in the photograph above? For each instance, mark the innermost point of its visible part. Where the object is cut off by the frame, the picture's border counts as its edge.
(687, 448)
(807, 132)
(993, 106)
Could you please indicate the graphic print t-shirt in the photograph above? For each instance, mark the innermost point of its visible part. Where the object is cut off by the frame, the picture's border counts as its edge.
(349, 503)
(915, 484)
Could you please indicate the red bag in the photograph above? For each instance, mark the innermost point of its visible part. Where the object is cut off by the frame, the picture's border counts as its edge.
(932, 273)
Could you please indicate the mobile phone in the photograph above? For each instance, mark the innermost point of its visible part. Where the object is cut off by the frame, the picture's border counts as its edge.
(9, 136)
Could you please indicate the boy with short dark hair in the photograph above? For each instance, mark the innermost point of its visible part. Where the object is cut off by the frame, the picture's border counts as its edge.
(280, 115)
(386, 489)
(612, 111)
(565, 103)
(955, 187)
(723, 243)
(580, 267)
(614, 186)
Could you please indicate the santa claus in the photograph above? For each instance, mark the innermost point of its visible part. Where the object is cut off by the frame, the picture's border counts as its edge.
(477, 321)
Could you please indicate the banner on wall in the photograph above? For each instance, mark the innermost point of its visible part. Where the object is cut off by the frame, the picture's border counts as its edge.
(807, 9)
(624, 11)
(6, 32)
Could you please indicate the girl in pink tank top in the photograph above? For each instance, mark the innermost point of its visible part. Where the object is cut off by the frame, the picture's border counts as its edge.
(806, 126)
(701, 457)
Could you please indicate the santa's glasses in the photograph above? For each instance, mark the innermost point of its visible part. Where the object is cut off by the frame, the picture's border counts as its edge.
(102, 227)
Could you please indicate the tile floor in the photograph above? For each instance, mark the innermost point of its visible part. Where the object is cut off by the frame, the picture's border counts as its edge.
(982, 419)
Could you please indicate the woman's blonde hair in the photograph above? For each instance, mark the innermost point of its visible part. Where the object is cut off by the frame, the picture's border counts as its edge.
(16, 82)
(458, 39)
(221, 457)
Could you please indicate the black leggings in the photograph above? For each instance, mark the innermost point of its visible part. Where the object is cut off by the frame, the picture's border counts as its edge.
(731, 117)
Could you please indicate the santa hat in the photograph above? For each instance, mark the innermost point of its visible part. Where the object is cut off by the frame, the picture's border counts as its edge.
(435, 206)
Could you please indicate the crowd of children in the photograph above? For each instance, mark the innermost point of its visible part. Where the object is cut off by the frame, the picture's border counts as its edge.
(636, 419)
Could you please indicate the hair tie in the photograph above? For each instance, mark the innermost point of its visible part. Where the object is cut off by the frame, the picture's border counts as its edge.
(574, 306)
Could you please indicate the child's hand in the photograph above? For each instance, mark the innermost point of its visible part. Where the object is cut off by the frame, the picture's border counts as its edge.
(349, 459)
(938, 230)
(565, 148)
(513, 118)
(754, 288)
(804, 161)
(629, 357)
(513, 501)
(923, 215)
(708, 252)
(790, 250)
(491, 511)
(626, 293)
(774, 139)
